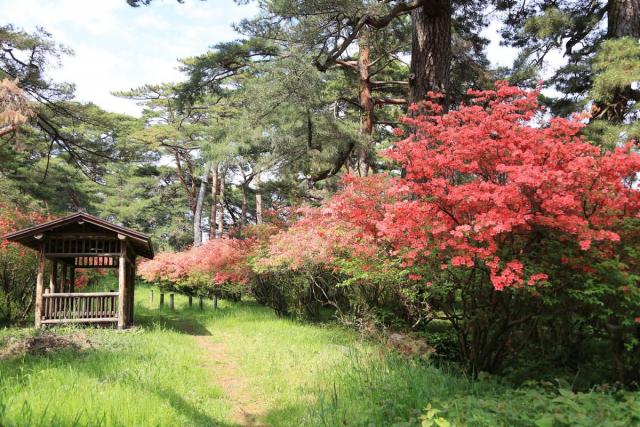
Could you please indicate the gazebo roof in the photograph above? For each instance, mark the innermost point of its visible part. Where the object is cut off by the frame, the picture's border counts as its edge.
(82, 222)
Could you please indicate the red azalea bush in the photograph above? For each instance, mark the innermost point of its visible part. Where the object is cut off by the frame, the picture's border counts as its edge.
(485, 181)
(492, 196)
(496, 195)
(333, 255)
(203, 269)
(346, 222)
(17, 265)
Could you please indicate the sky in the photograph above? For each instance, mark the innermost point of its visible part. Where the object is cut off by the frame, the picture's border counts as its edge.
(118, 47)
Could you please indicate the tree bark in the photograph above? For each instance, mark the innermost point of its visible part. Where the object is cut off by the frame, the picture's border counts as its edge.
(189, 189)
(245, 204)
(258, 200)
(623, 18)
(221, 210)
(431, 49)
(197, 215)
(366, 104)
(213, 215)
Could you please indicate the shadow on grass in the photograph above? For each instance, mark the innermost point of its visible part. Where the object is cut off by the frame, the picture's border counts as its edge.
(101, 366)
(178, 320)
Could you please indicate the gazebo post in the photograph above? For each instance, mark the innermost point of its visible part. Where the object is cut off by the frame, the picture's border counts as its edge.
(132, 284)
(53, 278)
(72, 276)
(122, 283)
(39, 287)
(63, 283)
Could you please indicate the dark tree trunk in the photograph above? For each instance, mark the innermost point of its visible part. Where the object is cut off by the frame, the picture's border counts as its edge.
(431, 49)
(366, 104)
(245, 204)
(623, 18)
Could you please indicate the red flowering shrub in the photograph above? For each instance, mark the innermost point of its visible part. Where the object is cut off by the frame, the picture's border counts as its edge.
(17, 264)
(332, 256)
(485, 180)
(203, 269)
(346, 222)
(492, 195)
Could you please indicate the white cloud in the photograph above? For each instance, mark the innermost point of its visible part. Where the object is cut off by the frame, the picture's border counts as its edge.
(118, 47)
(496, 53)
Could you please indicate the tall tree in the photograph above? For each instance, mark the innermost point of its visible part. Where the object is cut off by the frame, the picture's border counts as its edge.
(178, 132)
(599, 42)
(25, 59)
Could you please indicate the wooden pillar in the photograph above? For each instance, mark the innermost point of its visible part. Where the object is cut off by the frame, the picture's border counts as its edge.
(190, 301)
(53, 278)
(127, 290)
(150, 296)
(171, 301)
(200, 302)
(39, 287)
(72, 276)
(63, 284)
(122, 284)
(161, 299)
(132, 290)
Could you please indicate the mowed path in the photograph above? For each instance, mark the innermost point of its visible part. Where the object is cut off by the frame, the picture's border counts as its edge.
(270, 370)
(224, 371)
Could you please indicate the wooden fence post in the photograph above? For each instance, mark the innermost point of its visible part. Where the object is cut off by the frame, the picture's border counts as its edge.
(161, 299)
(151, 296)
(200, 302)
(171, 301)
(190, 301)
(215, 302)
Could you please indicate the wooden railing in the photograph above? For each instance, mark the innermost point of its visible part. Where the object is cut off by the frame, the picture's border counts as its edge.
(91, 307)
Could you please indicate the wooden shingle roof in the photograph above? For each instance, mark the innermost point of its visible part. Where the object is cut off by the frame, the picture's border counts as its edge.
(82, 222)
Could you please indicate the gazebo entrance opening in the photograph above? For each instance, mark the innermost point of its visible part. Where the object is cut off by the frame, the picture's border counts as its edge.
(83, 241)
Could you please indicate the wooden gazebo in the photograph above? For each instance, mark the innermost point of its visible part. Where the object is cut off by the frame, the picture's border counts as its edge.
(81, 240)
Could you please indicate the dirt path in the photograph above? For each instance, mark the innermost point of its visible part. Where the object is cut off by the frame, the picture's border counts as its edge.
(224, 371)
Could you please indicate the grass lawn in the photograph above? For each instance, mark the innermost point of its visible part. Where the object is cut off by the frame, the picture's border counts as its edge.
(241, 365)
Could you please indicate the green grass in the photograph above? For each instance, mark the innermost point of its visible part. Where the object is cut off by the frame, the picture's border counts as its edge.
(297, 374)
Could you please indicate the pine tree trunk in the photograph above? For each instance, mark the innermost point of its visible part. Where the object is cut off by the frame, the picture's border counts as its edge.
(258, 200)
(221, 210)
(213, 215)
(623, 18)
(197, 217)
(245, 204)
(366, 104)
(431, 49)
(188, 188)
